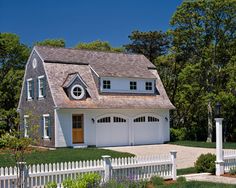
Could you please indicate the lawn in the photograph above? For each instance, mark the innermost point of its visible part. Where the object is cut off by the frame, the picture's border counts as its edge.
(227, 145)
(61, 155)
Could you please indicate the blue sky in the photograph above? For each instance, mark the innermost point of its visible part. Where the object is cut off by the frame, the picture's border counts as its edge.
(84, 20)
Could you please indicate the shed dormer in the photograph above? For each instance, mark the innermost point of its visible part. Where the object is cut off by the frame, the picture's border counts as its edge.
(75, 87)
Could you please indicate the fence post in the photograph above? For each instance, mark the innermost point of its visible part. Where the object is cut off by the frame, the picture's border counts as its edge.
(219, 148)
(22, 174)
(173, 159)
(107, 167)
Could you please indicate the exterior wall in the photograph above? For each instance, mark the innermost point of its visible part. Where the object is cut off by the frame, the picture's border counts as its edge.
(64, 124)
(36, 107)
(122, 85)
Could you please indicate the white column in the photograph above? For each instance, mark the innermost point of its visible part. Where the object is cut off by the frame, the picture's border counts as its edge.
(107, 167)
(173, 159)
(219, 149)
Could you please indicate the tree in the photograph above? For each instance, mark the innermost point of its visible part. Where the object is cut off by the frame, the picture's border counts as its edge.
(98, 45)
(151, 44)
(203, 44)
(52, 42)
(13, 57)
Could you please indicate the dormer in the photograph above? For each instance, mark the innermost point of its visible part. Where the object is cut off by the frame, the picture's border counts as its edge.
(75, 87)
(127, 85)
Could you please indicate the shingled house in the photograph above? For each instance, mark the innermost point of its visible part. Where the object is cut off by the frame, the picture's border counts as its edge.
(83, 98)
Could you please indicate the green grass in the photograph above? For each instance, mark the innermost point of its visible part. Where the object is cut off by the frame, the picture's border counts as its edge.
(183, 171)
(227, 145)
(62, 155)
(198, 184)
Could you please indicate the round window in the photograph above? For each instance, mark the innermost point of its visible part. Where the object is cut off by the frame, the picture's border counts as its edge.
(77, 92)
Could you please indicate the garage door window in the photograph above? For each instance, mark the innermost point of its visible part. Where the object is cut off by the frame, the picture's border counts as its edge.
(119, 120)
(152, 119)
(139, 119)
(104, 120)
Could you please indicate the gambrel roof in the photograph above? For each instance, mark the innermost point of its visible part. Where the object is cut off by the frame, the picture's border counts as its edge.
(60, 64)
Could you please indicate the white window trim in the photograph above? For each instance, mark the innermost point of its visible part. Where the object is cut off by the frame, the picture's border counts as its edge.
(40, 96)
(26, 123)
(44, 133)
(82, 92)
(28, 93)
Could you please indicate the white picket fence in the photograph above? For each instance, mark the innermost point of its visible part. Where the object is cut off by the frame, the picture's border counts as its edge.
(135, 168)
(229, 157)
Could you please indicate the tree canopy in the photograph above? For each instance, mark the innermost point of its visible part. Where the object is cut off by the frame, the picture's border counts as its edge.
(52, 42)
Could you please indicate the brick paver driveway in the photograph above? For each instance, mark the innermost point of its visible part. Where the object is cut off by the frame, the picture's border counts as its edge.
(186, 156)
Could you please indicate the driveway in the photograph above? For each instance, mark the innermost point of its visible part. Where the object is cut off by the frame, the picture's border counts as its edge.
(186, 156)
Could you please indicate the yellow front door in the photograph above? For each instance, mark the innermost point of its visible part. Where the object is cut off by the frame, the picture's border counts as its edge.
(77, 128)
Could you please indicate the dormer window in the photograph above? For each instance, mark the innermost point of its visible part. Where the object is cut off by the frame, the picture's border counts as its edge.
(106, 84)
(148, 86)
(77, 92)
(133, 85)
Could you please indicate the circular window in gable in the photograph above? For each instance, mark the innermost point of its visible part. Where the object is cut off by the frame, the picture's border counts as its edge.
(77, 92)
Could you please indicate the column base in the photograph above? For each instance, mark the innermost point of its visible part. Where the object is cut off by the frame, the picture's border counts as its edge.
(219, 168)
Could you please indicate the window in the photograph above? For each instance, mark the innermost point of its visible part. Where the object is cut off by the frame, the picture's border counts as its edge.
(77, 121)
(77, 92)
(152, 119)
(133, 85)
(139, 119)
(149, 86)
(26, 131)
(46, 126)
(118, 119)
(106, 84)
(41, 86)
(104, 120)
(30, 89)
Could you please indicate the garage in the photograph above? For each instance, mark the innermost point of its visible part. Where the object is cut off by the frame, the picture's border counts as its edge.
(112, 131)
(146, 130)
(117, 130)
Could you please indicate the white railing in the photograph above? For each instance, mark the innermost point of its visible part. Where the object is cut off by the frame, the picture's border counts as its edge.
(135, 168)
(229, 157)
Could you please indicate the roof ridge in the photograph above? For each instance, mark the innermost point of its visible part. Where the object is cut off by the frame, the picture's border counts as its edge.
(100, 51)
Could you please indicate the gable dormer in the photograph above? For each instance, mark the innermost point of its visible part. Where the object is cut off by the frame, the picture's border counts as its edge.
(75, 87)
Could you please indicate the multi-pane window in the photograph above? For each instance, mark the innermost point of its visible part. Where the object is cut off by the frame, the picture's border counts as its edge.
(106, 84)
(77, 121)
(133, 85)
(104, 120)
(26, 127)
(41, 89)
(148, 85)
(46, 125)
(152, 119)
(30, 88)
(139, 119)
(118, 120)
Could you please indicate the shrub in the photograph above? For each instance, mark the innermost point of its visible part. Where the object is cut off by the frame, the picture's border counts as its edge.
(157, 180)
(51, 185)
(206, 163)
(127, 183)
(178, 134)
(232, 171)
(181, 179)
(91, 180)
(4, 140)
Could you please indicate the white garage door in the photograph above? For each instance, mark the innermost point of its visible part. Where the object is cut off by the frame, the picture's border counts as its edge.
(112, 131)
(146, 130)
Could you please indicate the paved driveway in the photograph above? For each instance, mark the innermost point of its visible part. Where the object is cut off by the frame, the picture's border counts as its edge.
(186, 156)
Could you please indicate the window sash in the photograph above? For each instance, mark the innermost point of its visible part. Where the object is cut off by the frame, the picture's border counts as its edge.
(41, 87)
(106, 84)
(133, 85)
(46, 126)
(26, 134)
(148, 86)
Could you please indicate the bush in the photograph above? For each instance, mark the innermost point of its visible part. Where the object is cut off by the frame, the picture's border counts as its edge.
(232, 171)
(91, 180)
(51, 185)
(156, 180)
(4, 140)
(206, 163)
(181, 179)
(127, 183)
(178, 134)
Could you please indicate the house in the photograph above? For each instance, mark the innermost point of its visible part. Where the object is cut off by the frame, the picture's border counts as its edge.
(82, 97)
